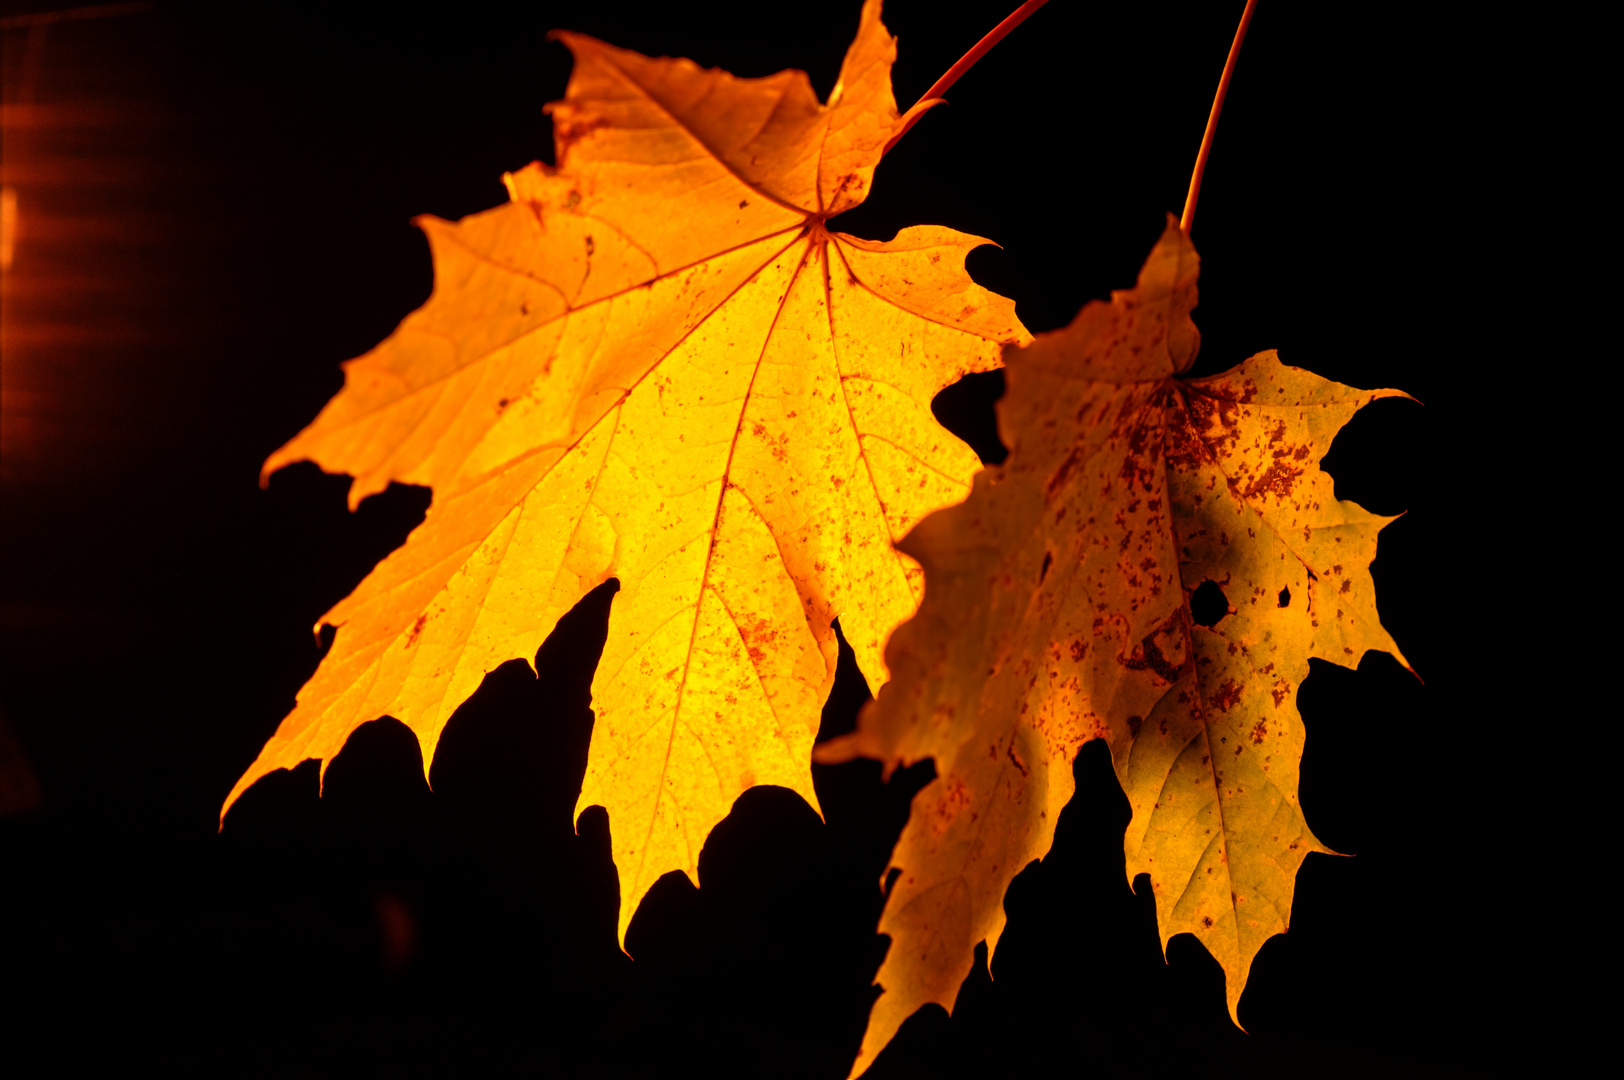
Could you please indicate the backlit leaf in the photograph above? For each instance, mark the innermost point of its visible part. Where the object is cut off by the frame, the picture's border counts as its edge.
(1057, 610)
(655, 364)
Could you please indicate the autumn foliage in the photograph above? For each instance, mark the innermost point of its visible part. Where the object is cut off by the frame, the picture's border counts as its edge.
(1057, 610)
(656, 364)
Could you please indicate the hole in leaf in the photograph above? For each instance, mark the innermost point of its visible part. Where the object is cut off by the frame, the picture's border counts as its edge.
(1208, 604)
(1285, 596)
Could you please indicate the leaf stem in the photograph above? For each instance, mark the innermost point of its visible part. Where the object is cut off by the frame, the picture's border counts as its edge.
(1212, 119)
(933, 96)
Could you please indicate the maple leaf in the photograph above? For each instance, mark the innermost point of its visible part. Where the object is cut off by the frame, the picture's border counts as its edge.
(656, 364)
(1057, 610)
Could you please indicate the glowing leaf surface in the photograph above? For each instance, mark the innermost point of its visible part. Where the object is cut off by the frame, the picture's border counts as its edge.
(655, 364)
(1057, 610)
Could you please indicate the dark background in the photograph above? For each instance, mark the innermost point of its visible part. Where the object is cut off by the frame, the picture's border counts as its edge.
(214, 206)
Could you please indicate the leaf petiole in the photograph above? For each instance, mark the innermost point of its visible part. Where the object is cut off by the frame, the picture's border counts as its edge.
(1212, 120)
(933, 96)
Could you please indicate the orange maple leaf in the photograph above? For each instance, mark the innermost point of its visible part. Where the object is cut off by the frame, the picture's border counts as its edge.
(1057, 610)
(656, 364)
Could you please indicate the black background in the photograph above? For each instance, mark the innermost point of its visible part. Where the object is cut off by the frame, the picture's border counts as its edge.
(226, 217)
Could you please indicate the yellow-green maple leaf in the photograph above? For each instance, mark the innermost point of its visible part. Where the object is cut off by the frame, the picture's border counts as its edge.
(1057, 610)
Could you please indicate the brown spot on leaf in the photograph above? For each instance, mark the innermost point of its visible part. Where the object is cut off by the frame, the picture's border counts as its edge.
(1058, 480)
(1227, 695)
(1278, 480)
(1016, 758)
(953, 801)
(1149, 655)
